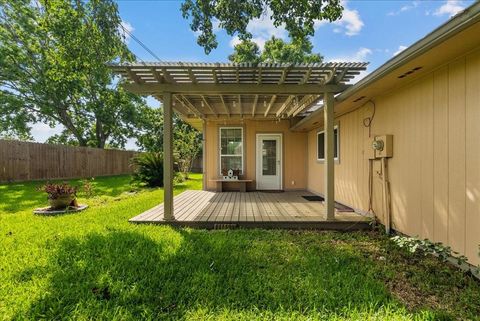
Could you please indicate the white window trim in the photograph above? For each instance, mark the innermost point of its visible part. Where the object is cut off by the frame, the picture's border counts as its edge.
(338, 144)
(220, 148)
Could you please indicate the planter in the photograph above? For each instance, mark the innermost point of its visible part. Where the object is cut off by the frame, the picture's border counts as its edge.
(61, 202)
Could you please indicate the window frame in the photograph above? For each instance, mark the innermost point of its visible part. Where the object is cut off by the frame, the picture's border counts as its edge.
(242, 154)
(337, 158)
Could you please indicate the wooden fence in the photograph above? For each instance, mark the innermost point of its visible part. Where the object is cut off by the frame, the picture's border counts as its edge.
(22, 161)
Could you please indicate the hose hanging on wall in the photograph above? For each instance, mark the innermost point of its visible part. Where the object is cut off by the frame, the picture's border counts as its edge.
(367, 122)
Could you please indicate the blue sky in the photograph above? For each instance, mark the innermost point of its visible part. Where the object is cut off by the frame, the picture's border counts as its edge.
(372, 31)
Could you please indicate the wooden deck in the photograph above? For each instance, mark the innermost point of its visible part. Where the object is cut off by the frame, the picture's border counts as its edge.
(206, 209)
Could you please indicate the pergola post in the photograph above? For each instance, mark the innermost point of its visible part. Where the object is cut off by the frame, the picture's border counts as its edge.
(168, 214)
(329, 169)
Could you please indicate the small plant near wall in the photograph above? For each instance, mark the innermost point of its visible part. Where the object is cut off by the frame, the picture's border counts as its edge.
(425, 247)
(60, 196)
(445, 253)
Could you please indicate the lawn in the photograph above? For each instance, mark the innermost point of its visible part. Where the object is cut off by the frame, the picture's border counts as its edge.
(96, 265)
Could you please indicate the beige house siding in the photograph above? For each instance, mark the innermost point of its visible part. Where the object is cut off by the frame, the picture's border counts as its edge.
(294, 151)
(435, 171)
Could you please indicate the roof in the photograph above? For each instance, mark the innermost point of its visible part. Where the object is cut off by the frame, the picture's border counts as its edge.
(243, 90)
(450, 40)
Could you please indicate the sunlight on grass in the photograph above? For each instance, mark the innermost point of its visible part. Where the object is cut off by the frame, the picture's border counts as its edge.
(96, 265)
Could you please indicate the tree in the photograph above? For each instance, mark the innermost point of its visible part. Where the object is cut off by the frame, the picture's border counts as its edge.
(187, 145)
(297, 16)
(245, 51)
(276, 50)
(53, 69)
(187, 141)
(150, 136)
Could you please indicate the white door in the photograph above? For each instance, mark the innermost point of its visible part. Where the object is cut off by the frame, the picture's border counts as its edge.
(269, 162)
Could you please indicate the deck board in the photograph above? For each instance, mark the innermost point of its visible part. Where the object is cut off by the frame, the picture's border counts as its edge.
(253, 209)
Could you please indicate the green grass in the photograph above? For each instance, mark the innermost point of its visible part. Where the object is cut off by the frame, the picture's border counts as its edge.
(96, 265)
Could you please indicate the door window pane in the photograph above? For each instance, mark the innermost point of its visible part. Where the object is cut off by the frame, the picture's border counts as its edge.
(269, 157)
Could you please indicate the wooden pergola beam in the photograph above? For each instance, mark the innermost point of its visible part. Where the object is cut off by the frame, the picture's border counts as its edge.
(259, 80)
(227, 110)
(166, 75)
(235, 89)
(302, 102)
(329, 156)
(285, 105)
(135, 77)
(185, 105)
(157, 76)
(306, 77)
(168, 214)
(192, 106)
(205, 101)
(191, 75)
(272, 101)
(254, 107)
(306, 104)
(240, 104)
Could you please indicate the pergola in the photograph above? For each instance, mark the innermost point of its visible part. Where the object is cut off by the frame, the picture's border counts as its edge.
(202, 91)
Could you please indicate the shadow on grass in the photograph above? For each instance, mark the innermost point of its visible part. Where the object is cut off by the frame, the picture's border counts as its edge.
(190, 273)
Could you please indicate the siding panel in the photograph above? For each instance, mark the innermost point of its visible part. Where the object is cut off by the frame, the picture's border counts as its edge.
(440, 152)
(456, 166)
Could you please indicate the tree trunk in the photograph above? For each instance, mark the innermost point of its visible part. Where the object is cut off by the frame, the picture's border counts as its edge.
(99, 134)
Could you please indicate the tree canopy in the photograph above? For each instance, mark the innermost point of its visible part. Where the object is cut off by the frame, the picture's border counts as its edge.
(53, 69)
(298, 17)
(276, 50)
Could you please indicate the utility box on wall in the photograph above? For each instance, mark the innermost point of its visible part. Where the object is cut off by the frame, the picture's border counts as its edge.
(383, 146)
(380, 146)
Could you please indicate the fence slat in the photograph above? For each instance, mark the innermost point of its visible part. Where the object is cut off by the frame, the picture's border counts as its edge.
(22, 161)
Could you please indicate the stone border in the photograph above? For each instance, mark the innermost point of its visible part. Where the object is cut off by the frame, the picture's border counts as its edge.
(70, 209)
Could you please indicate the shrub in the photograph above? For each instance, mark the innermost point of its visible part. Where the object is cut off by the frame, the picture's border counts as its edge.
(415, 245)
(55, 191)
(148, 169)
(87, 187)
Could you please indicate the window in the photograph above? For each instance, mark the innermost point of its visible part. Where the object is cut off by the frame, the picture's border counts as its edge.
(231, 148)
(321, 144)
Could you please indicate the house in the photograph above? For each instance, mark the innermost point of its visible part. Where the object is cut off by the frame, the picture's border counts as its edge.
(402, 143)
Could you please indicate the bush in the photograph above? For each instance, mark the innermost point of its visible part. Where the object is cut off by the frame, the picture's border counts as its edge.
(148, 169)
(55, 191)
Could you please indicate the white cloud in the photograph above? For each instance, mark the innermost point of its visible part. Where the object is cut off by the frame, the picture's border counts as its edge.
(450, 7)
(351, 23)
(360, 55)
(260, 41)
(262, 30)
(234, 41)
(400, 49)
(125, 29)
(412, 5)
